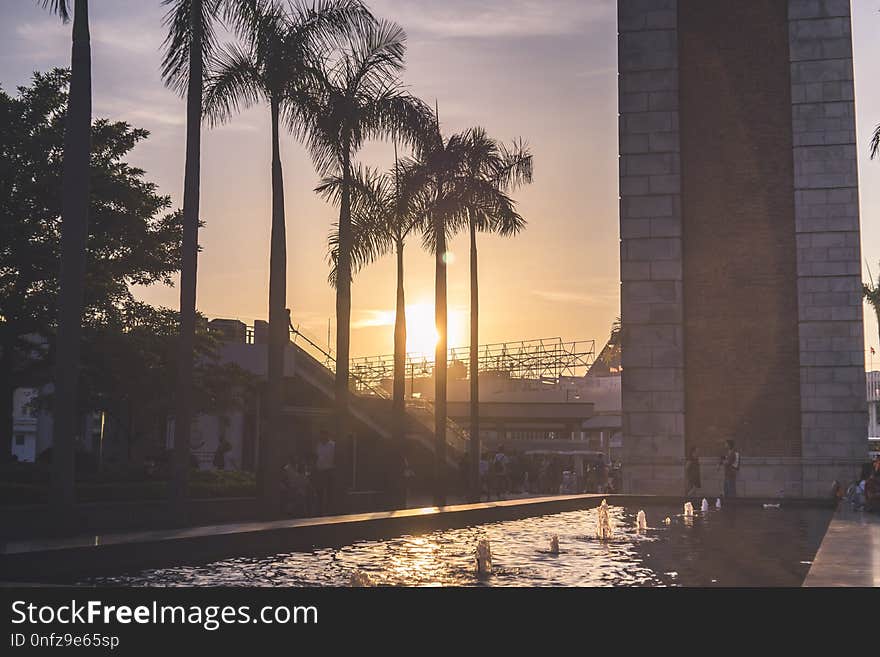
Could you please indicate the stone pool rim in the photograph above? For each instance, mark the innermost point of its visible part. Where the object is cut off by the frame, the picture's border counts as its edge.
(70, 558)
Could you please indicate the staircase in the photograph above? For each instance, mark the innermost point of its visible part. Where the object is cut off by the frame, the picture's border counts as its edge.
(371, 404)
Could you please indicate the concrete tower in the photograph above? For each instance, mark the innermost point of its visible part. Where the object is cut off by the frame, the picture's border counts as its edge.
(740, 257)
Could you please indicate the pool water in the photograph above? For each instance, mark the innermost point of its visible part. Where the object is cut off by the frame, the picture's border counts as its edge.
(735, 546)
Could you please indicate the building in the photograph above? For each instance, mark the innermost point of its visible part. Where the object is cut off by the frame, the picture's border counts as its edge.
(873, 384)
(740, 250)
(32, 428)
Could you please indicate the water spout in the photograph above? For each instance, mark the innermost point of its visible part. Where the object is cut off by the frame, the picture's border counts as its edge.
(484, 557)
(604, 527)
(718, 503)
(359, 579)
(667, 521)
(704, 507)
(641, 521)
(554, 544)
(688, 510)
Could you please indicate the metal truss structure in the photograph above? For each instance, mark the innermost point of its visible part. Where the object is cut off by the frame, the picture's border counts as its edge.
(543, 359)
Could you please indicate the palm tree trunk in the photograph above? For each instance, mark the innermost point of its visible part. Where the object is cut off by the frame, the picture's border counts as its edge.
(474, 373)
(74, 232)
(399, 401)
(343, 298)
(440, 366)
(271, 457)
(7, 411)
(188, 266)
(7, 390)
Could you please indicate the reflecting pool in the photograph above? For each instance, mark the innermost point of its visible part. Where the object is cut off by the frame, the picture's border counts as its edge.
(731, 546)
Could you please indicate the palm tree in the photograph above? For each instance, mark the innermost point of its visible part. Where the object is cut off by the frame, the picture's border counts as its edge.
(463, 179)
(875, 143)
(275, 65)
(189, 43)
(359, 97)
(438, 171)
(498, 170)
(384, 212)
(871, 292)
(74, 228)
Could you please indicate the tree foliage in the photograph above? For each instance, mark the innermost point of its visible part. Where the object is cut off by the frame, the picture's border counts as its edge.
(134, 239)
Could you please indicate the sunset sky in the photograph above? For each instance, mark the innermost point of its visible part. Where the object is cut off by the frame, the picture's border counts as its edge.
(543, 70)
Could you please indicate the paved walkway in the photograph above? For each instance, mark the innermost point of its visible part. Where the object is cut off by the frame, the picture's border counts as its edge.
(850, 552)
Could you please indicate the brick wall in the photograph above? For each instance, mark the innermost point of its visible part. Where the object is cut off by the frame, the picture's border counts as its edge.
(740, 254)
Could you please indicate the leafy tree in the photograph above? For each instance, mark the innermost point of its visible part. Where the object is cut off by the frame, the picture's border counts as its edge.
(129, 361)
(133, 236)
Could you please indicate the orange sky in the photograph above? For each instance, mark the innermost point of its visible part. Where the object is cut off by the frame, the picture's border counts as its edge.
(545, 71)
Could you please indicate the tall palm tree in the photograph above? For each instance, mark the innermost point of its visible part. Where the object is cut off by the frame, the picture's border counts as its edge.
(496, 170)
(276, 65)
(463, 179)
(384, 213)
(189, 42)
(74, 229)
(359, 98)
(875, 143)
(438, 170)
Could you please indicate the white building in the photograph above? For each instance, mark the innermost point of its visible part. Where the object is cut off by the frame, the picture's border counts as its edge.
(873, 381)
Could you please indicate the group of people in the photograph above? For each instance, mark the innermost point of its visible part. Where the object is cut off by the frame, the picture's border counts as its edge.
(864, 494)
(729, 463)
(502, 474)
(495, 474)
(307, 486)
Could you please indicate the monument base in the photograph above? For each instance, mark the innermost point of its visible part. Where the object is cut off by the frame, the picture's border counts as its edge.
(758, 477)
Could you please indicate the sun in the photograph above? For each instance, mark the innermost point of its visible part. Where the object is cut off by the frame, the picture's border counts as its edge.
(421, 333)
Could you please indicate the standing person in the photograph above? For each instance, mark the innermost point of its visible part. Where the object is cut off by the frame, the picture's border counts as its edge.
(730, 463)
(603, 477)
(500, 471)
(484, 476)
(692, 472)
(325, 465)
(223, 446)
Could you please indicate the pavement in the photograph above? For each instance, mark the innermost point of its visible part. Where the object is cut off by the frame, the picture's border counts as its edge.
(850, 551)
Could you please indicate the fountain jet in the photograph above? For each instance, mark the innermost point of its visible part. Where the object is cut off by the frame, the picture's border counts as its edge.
(484, 557)
(604, 527)
(704, 507)
(641, 521)
(554, 544)
(688, 510)
(718, 503)
(359, 579)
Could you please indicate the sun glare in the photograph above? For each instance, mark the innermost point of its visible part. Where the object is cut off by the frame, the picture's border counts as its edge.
(421, 334)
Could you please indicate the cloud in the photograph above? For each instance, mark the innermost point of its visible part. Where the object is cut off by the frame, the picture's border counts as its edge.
(593, 298)
(373, 318)
(126, 36)
(488, 19)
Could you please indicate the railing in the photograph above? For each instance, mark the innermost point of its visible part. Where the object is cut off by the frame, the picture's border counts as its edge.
(421, 410)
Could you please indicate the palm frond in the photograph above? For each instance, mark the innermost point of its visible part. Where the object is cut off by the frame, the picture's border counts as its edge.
(875, 142)
(233, 84)
(59, 7)
(372, 209)
(182, 32)
(375, 55)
